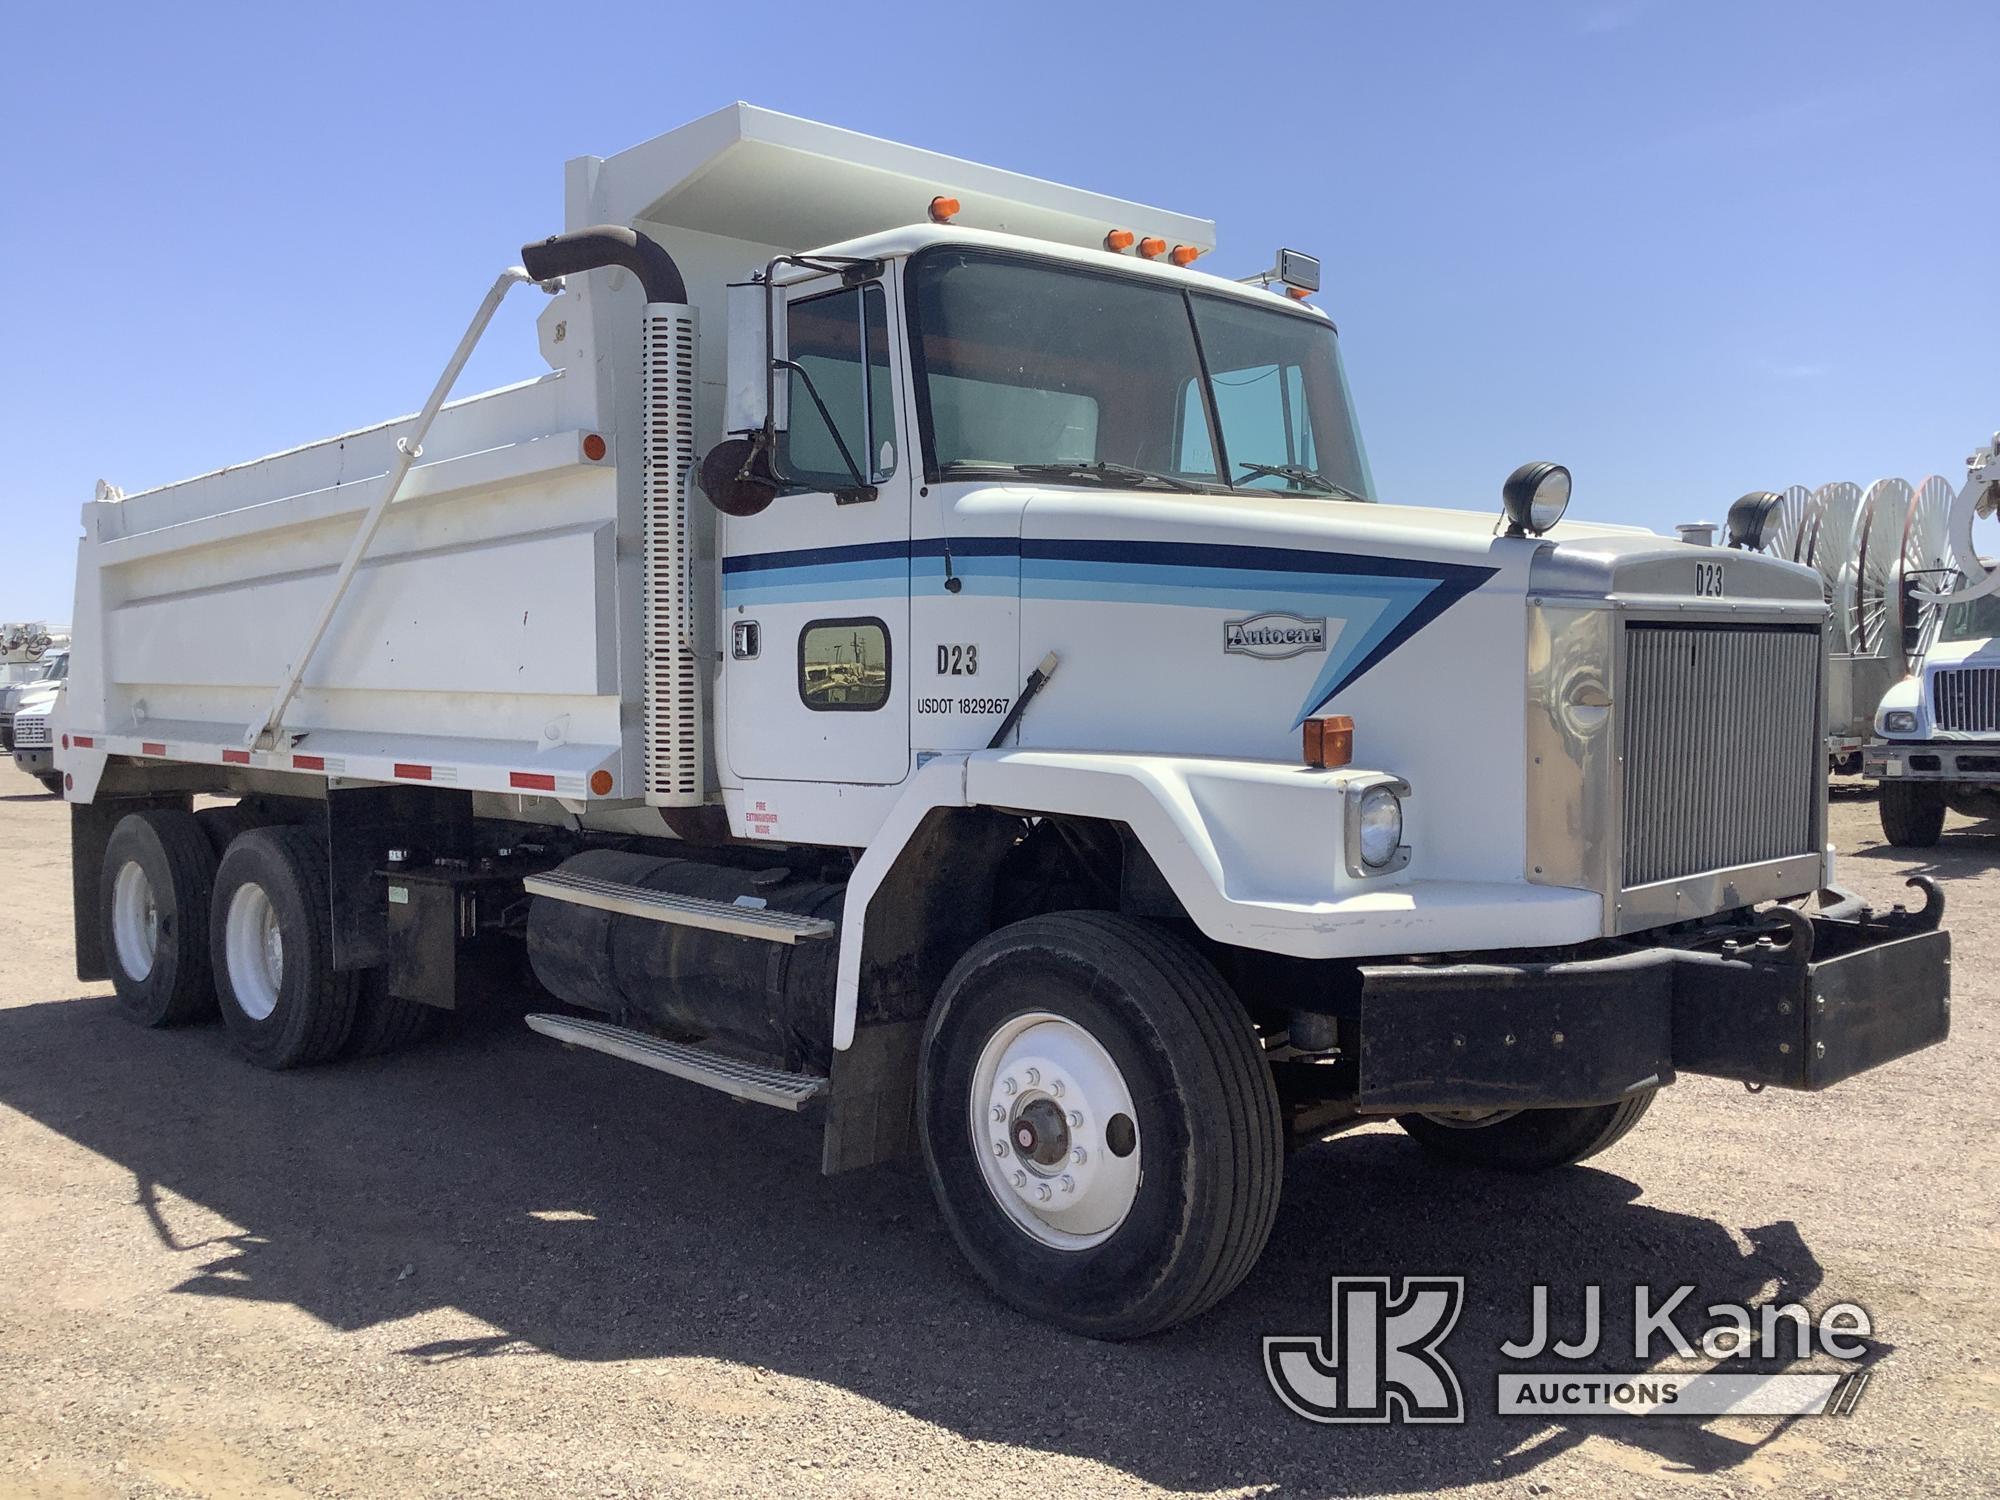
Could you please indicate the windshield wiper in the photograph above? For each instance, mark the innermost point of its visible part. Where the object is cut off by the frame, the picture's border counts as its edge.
(1298, 474)
(1104, 470)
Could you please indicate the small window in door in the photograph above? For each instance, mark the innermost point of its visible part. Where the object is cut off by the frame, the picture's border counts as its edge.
(841, 343)
(844, 665)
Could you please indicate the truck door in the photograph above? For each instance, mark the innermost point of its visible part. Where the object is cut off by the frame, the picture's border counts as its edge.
(816, 587)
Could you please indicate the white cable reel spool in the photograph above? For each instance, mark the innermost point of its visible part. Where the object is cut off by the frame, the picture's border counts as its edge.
(1979, 497)
(1828, 548)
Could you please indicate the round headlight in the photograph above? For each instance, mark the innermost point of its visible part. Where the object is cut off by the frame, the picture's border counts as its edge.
(1534, 498)
(1380, 833)
(1899, 721)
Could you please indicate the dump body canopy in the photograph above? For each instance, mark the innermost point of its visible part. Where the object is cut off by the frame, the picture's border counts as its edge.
(750, 174)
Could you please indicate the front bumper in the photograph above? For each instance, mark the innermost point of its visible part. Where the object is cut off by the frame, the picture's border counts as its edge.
(1933, 760)
(1849, 991)
(35, 762)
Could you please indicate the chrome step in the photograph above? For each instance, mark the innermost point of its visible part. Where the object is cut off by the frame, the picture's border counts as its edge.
(728, 1075)
(680, 911)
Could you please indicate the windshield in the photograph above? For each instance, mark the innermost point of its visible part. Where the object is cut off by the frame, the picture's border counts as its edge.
(1024, 363)
(1978, 620)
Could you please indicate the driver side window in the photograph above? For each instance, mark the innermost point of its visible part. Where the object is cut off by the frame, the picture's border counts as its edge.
(841, 342)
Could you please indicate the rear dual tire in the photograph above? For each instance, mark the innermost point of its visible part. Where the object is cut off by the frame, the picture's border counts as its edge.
(153, 896)
(271, 935)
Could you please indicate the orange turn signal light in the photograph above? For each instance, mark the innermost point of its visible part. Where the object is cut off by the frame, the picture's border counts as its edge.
(1152, 248)
(1329, 742)
(1118, 239)
(1184, 255)
(944, 210)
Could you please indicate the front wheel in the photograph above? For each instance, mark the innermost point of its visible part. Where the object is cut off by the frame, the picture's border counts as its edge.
(1912, 814)
(1099, 1124)
(1527, 1140)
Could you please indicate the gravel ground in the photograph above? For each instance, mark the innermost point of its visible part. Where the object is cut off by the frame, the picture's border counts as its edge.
(492, 1266)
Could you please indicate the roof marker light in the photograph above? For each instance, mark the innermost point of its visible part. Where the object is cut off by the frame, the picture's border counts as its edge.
(1297, 293)
(1184, 255)
(1152, 247)
(944, 210)
(1117, 240)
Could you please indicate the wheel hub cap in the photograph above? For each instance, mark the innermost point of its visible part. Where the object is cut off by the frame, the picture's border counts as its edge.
(1054, 1131)
(135, 921)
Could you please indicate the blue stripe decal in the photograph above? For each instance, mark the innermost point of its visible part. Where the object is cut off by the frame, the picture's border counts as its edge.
(1388, 599)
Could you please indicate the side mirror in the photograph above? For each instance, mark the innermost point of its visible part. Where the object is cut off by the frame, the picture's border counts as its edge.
(736, 477)
(1751, 518)
(756, 312)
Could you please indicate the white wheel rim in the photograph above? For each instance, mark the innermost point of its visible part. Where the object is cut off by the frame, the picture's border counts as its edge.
(1047, 1107)
(254, 949)
(135, 921)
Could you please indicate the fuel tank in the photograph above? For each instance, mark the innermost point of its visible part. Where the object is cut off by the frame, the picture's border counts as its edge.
(774, 999)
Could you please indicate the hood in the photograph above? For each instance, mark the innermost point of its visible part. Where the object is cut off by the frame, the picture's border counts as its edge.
(37, 697)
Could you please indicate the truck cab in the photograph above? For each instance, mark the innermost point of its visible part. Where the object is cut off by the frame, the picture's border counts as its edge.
(1937, 731)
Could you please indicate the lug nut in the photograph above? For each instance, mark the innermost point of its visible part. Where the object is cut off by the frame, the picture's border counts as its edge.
(999, 1148)
(1068, 1183)
(1020, 1179)
(999, 1112)
(1043, 1193)
(1056, 1087)
(1076, 1119)
(1034, 1075)
(1079, 1156)
(1008, 1086)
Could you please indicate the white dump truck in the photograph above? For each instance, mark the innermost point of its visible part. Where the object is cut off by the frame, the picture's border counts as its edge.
(929, 652)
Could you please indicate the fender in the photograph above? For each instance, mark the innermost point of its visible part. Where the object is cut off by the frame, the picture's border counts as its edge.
(1252, 849)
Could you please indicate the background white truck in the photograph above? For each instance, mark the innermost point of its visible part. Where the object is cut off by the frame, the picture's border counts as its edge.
(1937, 730)
(928, 652)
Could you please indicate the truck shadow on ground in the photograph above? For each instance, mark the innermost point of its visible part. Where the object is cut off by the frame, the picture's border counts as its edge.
(594, 1211)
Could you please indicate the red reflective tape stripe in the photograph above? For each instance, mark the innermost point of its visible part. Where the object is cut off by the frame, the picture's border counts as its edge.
(308, 762)
(83, 742)
(236, 757)
(152, 747)
(534, 781)
(413, 773)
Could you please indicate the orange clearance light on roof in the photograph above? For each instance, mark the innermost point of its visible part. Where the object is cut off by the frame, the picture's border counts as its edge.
(1184, 255)
(600, 783)
(1118, 239)
(1329, 742)
(1297, 293)
(593, 447)
(944, 210)
(1152, 248)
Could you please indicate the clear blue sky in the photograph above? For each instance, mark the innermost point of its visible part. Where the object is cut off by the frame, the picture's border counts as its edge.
(1687, 249)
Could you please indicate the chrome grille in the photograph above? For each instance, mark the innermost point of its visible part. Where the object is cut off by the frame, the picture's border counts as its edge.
(1721, 743)
(31, 732)
(1966, 700)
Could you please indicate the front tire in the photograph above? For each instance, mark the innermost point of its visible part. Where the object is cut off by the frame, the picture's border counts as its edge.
(153, 898)
(1129, 1178)
(1912, 814)
(1528, 1140)
(271, 935)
